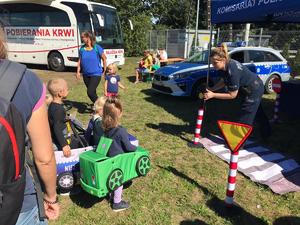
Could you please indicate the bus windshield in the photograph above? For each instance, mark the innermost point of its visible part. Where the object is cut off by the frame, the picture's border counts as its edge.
(107, 27)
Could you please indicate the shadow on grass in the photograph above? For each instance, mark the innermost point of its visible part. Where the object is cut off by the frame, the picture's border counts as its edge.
(192, 222)
(236, 215)
(173, 129)
(131, 79)
(287, 220)
(45, 67)
(284, 136)
(82, 107)
(85, 200)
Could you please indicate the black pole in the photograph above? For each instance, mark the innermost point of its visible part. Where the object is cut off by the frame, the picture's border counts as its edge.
(209, 52)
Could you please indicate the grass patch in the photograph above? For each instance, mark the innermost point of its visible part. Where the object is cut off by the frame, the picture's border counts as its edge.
(185, 186)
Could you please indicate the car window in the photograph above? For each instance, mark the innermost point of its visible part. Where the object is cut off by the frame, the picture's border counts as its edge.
(270, 57)
(201, 58)
(238, 56)
(256, 56)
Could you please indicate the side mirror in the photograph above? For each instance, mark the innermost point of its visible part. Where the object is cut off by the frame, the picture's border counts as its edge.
(130, 24)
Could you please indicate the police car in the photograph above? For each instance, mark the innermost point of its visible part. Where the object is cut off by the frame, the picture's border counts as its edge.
(188, 78)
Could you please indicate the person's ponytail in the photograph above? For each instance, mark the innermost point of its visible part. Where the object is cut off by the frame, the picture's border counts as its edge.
(225, 50)
(220, 52)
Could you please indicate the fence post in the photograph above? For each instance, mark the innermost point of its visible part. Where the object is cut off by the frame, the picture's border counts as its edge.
(260, 36)
(167, 36)
(150, 32)
(157, 39)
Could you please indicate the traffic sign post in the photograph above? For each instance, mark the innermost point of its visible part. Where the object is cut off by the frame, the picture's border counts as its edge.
(235, 135)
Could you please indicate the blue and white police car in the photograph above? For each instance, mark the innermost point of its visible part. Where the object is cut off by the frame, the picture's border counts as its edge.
(188, 78)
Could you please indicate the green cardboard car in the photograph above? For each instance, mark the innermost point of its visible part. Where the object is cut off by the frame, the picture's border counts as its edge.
(101, 174)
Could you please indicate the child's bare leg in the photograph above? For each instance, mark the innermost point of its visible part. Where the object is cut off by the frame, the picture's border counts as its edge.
(137, 76)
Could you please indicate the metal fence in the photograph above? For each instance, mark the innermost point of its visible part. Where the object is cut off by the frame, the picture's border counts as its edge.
(258, 37)
(175, 40)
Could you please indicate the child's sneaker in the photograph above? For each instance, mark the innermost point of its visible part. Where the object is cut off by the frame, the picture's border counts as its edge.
(117, 207)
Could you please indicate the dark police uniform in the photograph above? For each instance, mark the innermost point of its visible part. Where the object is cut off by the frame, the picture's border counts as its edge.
(250, 89)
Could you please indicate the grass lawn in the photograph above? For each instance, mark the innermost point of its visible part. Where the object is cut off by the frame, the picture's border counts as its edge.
(185, 186)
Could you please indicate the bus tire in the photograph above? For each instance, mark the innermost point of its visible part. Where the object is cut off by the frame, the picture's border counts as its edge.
(56, 62)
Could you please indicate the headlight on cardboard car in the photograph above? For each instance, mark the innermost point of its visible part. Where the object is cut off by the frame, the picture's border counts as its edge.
(179, 76)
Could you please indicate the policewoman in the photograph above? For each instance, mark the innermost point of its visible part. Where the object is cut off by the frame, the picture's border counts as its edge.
(239, 81)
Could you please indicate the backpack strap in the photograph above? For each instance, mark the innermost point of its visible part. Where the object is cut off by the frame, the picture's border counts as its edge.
(96, 50)
(11, 75)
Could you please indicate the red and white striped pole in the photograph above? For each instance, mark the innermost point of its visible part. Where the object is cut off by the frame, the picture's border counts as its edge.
(197, 135)
(276, 109)
(233, 165)
(276, 85)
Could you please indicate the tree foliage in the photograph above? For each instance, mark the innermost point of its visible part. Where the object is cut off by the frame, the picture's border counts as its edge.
(167, 14)
(139, 13)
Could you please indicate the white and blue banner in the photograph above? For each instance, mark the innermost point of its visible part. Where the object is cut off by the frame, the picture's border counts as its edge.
(251, 11)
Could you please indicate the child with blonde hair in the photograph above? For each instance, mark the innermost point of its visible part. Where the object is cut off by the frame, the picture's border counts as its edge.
(112, 81)
(112, 113)
(97, 119)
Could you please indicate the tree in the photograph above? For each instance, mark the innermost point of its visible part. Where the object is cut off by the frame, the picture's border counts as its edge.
(138, 12)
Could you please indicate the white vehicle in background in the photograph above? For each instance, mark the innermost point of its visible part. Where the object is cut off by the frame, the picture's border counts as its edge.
(48, 32)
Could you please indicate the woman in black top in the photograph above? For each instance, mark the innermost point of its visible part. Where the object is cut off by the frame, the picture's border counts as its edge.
(240, 81)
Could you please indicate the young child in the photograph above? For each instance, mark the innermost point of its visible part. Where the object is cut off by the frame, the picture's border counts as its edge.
(112, 81)
(112, 113)
(156, 62)
(145, 66)
(58, 88)
(97, 119)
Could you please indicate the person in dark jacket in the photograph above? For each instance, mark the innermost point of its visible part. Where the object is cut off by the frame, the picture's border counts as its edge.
(112, 112)
(58, 89)
(240, 81)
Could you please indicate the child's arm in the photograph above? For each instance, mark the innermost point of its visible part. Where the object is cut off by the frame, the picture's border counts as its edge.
(127, 146)
(58, 127)
(105, 88)
(121, 85)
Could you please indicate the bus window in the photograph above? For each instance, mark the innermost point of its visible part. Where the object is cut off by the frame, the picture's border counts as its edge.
(99, 25)
(82, 15)
(27, 15)
(110, 33)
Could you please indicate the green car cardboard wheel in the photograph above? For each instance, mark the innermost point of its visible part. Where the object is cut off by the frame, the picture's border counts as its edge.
(100, 174)
(115, 180)
(143, 166)
(65, 182)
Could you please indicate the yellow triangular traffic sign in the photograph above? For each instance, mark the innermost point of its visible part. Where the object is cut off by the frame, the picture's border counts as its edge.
(235, 134)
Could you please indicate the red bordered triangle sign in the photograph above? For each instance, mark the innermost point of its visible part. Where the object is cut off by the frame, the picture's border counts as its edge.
(235, 134)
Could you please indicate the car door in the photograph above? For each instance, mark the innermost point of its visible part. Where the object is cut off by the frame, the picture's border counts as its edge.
(256, 58)
(241, 56)
(279, 66)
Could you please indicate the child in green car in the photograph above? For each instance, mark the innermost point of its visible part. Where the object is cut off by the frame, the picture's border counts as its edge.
(112, 113)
